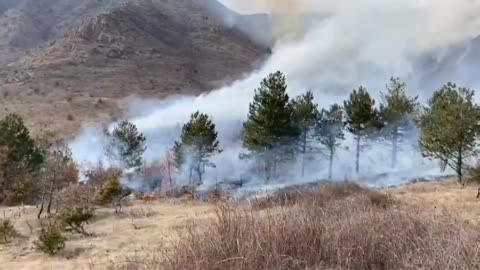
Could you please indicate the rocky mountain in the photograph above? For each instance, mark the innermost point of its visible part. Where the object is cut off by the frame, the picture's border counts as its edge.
(65, 62)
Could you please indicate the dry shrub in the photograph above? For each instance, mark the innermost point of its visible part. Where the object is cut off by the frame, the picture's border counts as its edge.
(474, 176)
(76, 195)
(217, 195)
(320, 195)
(142, 212)
(347, 232)
(99, 176)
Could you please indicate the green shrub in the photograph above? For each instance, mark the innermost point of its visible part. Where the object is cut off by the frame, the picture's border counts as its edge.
(7, 230)
(76, 218)
(110, 192)
(50, 240)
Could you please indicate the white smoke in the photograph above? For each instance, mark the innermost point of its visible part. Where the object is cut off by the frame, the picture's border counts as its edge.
(347, 44)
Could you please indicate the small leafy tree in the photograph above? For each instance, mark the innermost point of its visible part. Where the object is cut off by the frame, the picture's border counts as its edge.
(270, 129)
(330, 132)
(396, 113)
(112, 193)
(198, 143)
(361, 118)
(126, 145)
(305, 116)
(450, 127)
(169, 164)
(50, 239)
(59, 171)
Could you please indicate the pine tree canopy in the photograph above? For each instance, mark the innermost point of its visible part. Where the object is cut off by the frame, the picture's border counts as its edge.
(270, 120)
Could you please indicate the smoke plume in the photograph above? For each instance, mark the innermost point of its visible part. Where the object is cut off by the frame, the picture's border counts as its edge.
(329, 47)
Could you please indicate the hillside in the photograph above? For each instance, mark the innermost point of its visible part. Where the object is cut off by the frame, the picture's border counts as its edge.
(75, 60)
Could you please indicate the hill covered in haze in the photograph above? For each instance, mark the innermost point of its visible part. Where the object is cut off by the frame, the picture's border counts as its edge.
(75, 59)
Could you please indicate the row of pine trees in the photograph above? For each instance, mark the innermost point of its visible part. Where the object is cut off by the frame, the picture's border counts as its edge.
(280, 129)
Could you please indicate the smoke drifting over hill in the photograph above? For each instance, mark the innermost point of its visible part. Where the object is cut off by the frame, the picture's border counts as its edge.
(337, 46)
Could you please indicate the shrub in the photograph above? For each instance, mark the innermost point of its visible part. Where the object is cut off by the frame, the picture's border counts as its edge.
(7, 230)
(50, 240)
(76, 218)
(99, 176)
(109, 192)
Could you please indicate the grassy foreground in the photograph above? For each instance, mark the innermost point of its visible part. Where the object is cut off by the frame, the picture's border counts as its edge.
(342, 226)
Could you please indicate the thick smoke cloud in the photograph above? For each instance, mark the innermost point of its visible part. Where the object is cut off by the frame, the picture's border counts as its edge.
(338, 46)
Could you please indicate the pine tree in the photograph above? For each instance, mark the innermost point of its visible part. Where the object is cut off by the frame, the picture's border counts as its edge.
(396, 113)
(270, 131)
(330, 132)
(197, 144)
(126, 145)
(23, 151)
(361, 118)
(305, 116)
(450, 127)
(21, 157)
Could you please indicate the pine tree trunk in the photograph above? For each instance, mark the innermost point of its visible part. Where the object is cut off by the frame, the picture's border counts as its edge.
(330, 166)
(199, 173)
(42, 202)
(357, 163)
(50, 198)
(266, 167)
(460, 166)
(170, 175)
(394, 148)
(304, 151)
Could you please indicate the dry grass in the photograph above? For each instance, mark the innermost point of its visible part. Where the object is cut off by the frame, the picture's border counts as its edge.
(359, 229)
(339, 226)
(115, 238)
(442, 196)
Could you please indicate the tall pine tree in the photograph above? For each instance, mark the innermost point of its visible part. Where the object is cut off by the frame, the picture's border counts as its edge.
(305, 116)
(330, 132)
(198, 143)
(361, 118)
(396, 113)
(126, 145)
(270, 131)
(450, 127)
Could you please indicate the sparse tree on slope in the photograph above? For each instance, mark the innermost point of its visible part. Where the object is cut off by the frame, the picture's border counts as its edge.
(450, 127)
(396, 113)
(197, 144)
(59, 171)
(330, 132)
(126, 145)
(361, 118)
(270, 131)
(305, 116)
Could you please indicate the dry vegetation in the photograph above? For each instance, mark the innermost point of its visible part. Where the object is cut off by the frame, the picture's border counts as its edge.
(336, 226)
(68, 62)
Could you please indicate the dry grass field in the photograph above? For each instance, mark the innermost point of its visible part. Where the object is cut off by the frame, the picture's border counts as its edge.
(116, 236)
(144, 228)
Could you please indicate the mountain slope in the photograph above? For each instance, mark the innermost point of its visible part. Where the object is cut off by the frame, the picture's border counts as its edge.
(151, 48)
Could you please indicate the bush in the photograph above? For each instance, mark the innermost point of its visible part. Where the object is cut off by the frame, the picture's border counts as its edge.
(109, 192)
(76, 218)
(7, 230)
(99, 176)
(50, 240)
